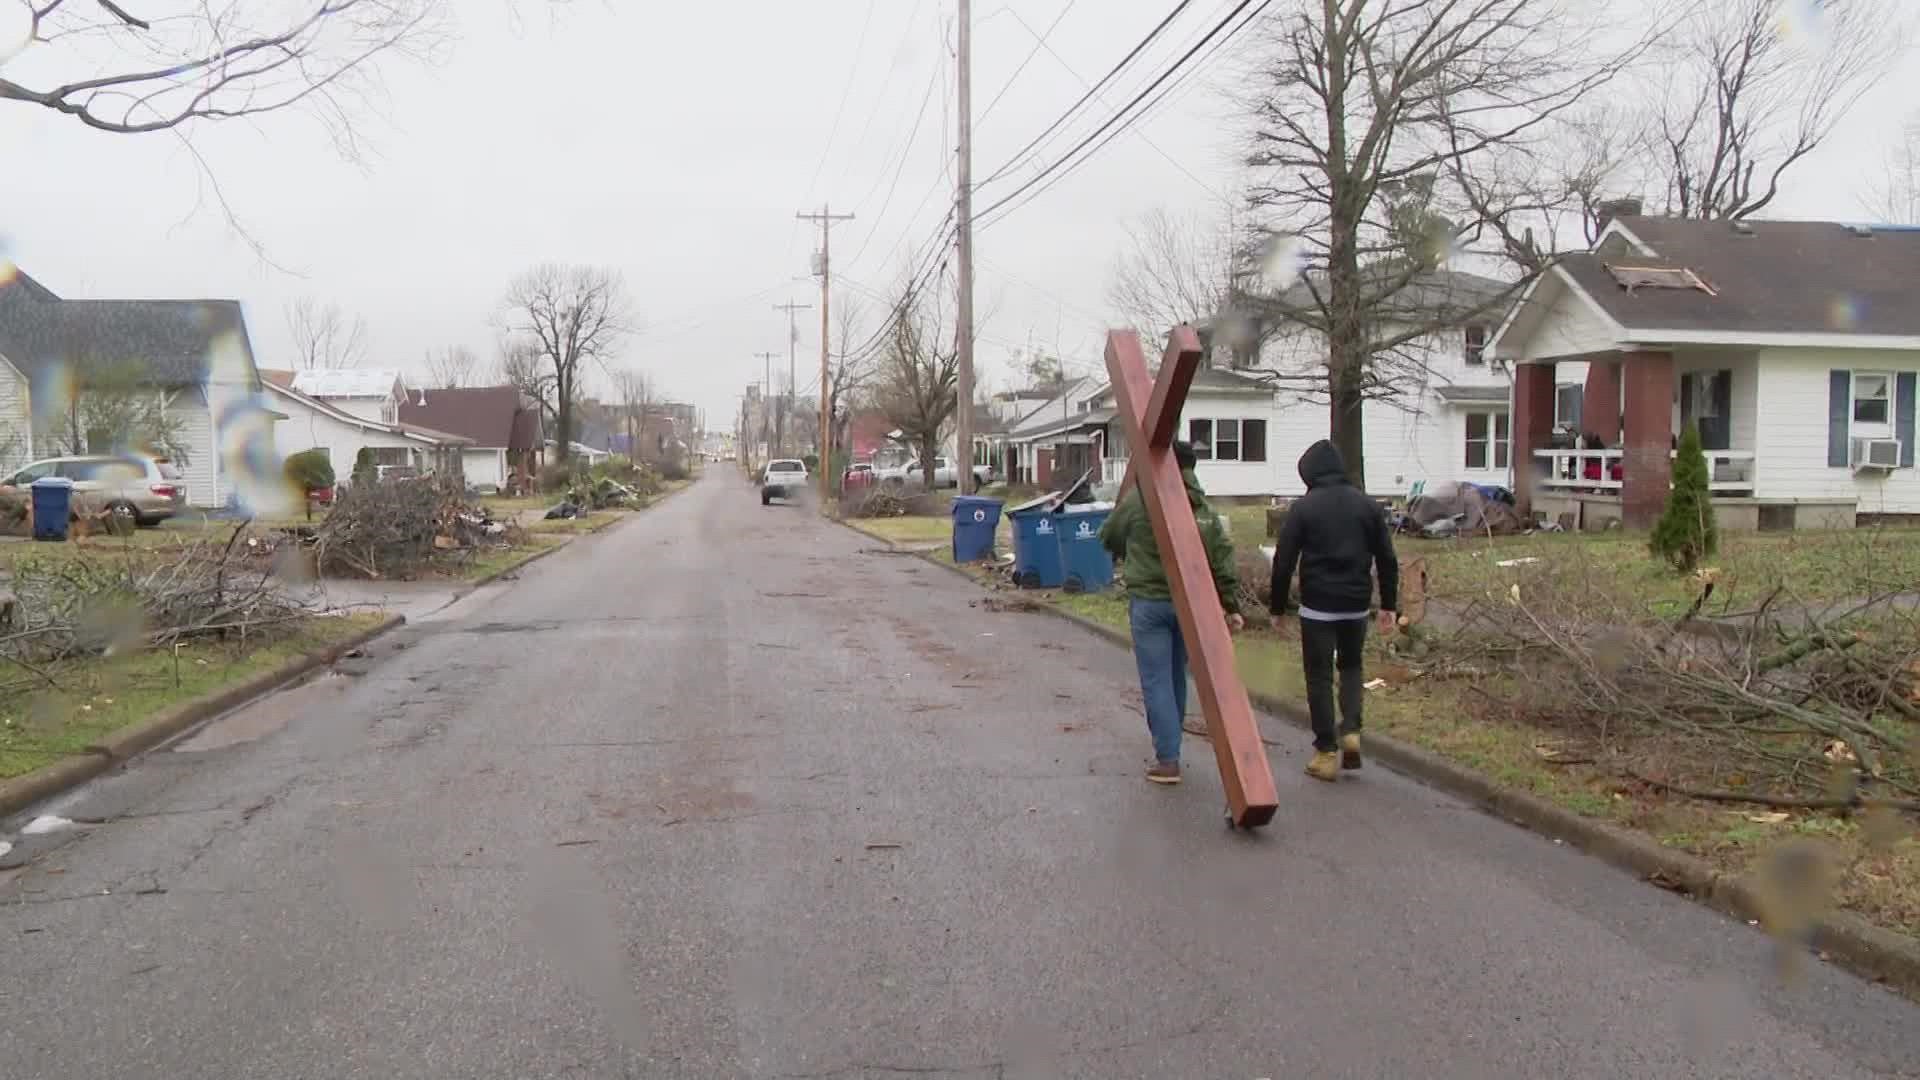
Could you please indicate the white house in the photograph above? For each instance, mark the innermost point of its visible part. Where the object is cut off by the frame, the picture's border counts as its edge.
(308, 423)
(368, 394)
(186, 353)
(1793, 346)
(1449, 419)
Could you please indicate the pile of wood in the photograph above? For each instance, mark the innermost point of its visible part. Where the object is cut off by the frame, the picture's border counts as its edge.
(399, 528)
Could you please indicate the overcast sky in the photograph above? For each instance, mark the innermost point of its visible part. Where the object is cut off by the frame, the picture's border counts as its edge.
(674, 142)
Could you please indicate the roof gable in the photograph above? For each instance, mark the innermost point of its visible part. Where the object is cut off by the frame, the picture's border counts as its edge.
(493, 417)
(172, 341)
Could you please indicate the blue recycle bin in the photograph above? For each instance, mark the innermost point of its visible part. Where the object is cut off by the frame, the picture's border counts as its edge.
(52, 506)
(1036, 546)
(1089, 566)
(975, 517)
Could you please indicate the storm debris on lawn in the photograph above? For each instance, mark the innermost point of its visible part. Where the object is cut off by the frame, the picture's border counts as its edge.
(78, 603)
(399, 528)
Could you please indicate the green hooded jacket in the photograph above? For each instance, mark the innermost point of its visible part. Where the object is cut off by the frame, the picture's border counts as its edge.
(1128, 534)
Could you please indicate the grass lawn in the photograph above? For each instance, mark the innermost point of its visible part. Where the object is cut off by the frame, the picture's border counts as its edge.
(1880, 877)
(500, 560)
(505, 508)
(99, 696)
(924, 532)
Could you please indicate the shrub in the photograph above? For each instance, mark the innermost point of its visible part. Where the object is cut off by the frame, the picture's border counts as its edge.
(364, 471)
(1686, 532)
(673, 469)
(558, 476)
(310, 470)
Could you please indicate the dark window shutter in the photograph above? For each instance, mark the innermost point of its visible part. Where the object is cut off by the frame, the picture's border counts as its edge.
(1253, 440)
(1839, 412)
(1903, 394)
(1686, 402)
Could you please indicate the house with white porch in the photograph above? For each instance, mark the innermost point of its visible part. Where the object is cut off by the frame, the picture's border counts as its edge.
(370, 394)
(309, 423)
(1793, 347)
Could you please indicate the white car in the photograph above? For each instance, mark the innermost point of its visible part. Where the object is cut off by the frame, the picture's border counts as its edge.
(783, 479)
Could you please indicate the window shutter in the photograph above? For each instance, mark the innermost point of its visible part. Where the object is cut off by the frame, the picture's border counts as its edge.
(1686, 403)
(1903, 394)
(1839, 410)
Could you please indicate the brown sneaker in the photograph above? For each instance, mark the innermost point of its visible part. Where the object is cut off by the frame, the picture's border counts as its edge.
(1350, 751)
(1164, 772)
(1324, 766)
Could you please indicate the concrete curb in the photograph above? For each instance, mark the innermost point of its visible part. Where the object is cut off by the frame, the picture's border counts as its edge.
(116, 749)
(1869, 951)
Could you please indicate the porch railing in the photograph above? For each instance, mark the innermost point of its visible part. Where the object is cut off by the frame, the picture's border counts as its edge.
(1728, 471)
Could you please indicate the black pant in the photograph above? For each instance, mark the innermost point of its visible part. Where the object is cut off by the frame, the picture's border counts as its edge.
(1325, 646)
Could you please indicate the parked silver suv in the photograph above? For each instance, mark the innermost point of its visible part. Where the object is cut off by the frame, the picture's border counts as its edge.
(151, 491)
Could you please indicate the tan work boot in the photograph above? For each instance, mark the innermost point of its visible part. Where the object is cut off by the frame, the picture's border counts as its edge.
(1324, 766)
(1164, 772)
(1350, 751)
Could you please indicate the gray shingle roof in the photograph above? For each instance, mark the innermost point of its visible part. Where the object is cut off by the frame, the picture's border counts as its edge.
(173, 340)
(1773, 277)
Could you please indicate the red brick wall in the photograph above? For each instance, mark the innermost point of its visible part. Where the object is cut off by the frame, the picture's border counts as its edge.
(1647, 435)
(1532, 425)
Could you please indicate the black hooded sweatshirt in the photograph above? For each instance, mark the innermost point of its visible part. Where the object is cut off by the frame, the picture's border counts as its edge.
(1339, 539)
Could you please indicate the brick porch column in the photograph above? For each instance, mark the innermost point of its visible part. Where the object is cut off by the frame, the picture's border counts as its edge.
(1600, 404)
(1532, 426)
(1647, 436)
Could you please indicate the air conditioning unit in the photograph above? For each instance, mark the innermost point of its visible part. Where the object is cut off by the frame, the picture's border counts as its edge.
(1876, 453)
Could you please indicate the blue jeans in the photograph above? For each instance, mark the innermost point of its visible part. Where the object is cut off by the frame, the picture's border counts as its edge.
(1161, 654)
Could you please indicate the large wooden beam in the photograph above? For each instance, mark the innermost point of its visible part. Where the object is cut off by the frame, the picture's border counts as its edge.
(1146, 406)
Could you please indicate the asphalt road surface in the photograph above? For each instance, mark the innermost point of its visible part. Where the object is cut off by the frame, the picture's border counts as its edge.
(726, 793)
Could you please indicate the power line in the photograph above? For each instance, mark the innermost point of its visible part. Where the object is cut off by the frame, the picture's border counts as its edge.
(846, 91)
(1068, 162)
(1031, 53)
(1069, 68)
(1091, 91)
(913, 136)
(899, 50)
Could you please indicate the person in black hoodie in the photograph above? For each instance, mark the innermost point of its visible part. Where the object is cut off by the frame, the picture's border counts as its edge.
(1338, 538)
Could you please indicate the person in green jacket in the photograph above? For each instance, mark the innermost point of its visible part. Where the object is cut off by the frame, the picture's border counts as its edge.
(1158, 648)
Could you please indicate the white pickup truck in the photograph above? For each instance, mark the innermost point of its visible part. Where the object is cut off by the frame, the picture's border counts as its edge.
(784, 479)
(944, 476)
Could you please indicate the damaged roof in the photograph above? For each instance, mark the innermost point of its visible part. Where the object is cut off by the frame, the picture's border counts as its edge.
(1771, 277)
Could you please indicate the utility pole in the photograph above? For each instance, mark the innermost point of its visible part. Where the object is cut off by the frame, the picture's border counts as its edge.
(766, 397)
(793, 337)
(825, 218)
(963, 220)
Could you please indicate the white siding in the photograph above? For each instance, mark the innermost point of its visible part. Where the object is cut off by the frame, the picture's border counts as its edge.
(484, 468)
(202, 467)
(1791, 399)
(16, 420)
(1236, 477)
(307, 427)
(1568, 326)
(379, 410)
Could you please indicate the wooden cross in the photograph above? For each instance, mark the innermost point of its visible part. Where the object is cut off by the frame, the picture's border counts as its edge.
(1150, 409)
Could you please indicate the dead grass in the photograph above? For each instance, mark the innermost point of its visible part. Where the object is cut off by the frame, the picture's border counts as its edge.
(99, 696)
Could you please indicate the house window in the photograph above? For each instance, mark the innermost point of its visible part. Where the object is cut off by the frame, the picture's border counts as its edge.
(1567, 403)
(1200, 434)
(1487, 437)
(1228, 440)
(1872, 398)
(1476, 345)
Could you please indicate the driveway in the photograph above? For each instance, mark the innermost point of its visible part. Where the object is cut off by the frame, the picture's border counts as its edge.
(725, 792)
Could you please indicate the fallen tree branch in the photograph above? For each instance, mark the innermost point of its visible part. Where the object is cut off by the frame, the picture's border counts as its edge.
(1783, 802)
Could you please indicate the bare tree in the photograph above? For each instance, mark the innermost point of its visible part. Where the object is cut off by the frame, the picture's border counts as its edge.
(1365, 115)
(914, 379)
(1746, 98)
(634, 390)
(1895, 197)
(114, 70)
(452, 367)
(570, 315)
(324, 337)
(1174, 270)
(521, 366)
(849, 370)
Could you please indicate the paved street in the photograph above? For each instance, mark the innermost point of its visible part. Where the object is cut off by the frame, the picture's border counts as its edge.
(724, 792)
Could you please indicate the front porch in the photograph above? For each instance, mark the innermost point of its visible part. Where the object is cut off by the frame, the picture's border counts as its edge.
(1597, 448)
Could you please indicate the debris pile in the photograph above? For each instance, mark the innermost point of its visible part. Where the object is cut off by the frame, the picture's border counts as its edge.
(67, 605)
(396, 528)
